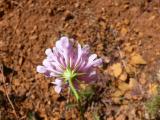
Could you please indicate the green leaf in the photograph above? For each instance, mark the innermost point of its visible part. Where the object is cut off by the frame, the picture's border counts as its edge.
(31, 115)
(95, 116)
(87, 93)
(70, 105)
(153, 105)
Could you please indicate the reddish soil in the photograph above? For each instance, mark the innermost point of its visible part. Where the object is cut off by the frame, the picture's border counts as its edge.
(28, 27)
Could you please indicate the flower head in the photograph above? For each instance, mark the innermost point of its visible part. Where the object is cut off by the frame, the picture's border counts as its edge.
(65, 61)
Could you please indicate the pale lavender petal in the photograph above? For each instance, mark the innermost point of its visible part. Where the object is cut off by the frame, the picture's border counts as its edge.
(48, 74)
(92, 58)
(81, 54)
(79, 57)
(63, 43)
(57, 89)
(93, 62)
(66, 57)
(48, 51)
(91, 77)
(64, 46)
(54, 74)
(57, 67)
(49, 66)
(57, 82)
(57, 57)
(51, 57)
(97, 62)
(81, 66)
(46, 63)
(41, 69)
(93, 73)
(62, 61)
(58, 85)
(72, 59)
(86, 50)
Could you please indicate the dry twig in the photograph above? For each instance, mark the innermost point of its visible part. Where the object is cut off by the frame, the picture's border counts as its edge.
(121, 57)
(6, 92)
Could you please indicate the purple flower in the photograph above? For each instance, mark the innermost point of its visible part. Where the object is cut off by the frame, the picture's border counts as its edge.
(65, 61)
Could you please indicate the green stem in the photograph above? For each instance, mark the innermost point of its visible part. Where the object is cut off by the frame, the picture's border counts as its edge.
(74, 90)
(81, 110)
(77, 97)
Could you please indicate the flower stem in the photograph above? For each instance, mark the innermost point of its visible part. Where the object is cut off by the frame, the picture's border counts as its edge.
(78, 99)
(73, 89)
(81, 110)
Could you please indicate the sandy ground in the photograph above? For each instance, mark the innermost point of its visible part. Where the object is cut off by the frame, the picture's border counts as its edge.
(124, 33)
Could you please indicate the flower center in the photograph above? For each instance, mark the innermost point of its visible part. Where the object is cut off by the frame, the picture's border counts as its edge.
(69, 74)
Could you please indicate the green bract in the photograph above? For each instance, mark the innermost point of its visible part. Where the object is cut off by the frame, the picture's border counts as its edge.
(69, 74)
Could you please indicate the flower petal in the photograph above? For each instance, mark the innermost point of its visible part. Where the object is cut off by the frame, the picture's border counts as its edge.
(50, 67)
(58, 86)
(97, 62)
(64, 47)
(48, 51)
(85, 50)
(57, 89)
(92, 73)
(91, 77)
(46, 63)
(57, 82)
(92, 58)
(82, 56)
(41, 69)
(62, 43)
(54, 74)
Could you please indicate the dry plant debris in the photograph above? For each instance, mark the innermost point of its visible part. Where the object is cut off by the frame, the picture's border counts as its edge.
(124, 33)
